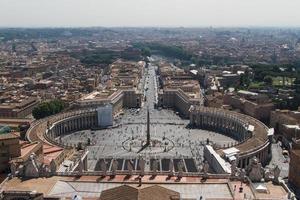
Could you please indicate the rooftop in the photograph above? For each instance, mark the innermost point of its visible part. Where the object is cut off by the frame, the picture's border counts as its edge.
(130, 192)
(8, 136)
(93, 187)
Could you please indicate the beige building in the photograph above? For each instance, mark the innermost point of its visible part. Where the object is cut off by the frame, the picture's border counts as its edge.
(9, 148)
(18, 110)
(176, 98)
(294, 167)
(128, 98)
(250, 103)
(179, 90)
(123, 89)
(286, 124)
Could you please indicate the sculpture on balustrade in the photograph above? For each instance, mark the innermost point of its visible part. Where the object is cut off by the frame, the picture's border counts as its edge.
(205, 169)
(242, 175)
(103, 167)
(234, 168)
(130, 167)
(53, 167)
(171, 166)
(20, 170)
(13, 169)
(276, 172)
(155, 166)
(31, 167)
(44, 171)
(114, 167)
(180, 166)
(142, 166)
(255, 170)
(268, 175)
(80, 167)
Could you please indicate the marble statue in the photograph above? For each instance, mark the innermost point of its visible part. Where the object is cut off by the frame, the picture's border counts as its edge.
(31, 167)
(255, 170)
(233, 168)
(171, 166)
(276, 172)
(243, 175)
(130, 167)
(13, 168)
(155, 166)
(44, 170)
(142, 166)
(180, 169)
(80, 167)
(103, 166)
(205, 168)
(52, 167)
(268, 175)
(114, 167)
(21, 170)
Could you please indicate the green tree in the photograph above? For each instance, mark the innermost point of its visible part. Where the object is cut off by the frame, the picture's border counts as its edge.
(146, 51)
(245, 79)
(297, 84)
(48, 108)
(268, 80)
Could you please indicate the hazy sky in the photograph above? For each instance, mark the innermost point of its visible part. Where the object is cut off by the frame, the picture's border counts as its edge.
(45, 13)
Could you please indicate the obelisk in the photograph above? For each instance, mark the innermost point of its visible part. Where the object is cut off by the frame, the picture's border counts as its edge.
(148, 126)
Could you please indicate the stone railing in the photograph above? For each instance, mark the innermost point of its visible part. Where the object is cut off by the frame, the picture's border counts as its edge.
(149, 173)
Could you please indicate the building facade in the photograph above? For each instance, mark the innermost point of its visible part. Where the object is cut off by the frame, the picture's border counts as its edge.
(249, 103)
(105, 116)
(294, 165)
(18, 110)
(286, 124)
(9, 148)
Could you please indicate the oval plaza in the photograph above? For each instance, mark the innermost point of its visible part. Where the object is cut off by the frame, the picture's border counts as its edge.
(154, 126)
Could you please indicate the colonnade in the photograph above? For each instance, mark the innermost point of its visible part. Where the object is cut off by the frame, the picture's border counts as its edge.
(236, 126)
(262, 154)
(81, 121)
(222, 123)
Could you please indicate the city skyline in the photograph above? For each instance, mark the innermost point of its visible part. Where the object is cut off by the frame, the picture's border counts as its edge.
(146, 13)
(149, 99)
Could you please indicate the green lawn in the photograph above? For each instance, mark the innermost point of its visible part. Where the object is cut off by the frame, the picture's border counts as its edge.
(256, 84)
(278, 81)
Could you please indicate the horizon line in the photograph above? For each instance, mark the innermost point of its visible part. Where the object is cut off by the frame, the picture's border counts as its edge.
(171, 27)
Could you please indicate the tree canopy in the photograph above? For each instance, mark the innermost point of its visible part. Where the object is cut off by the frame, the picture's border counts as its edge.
(268, 80)
(48, 108)
(165, 50)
